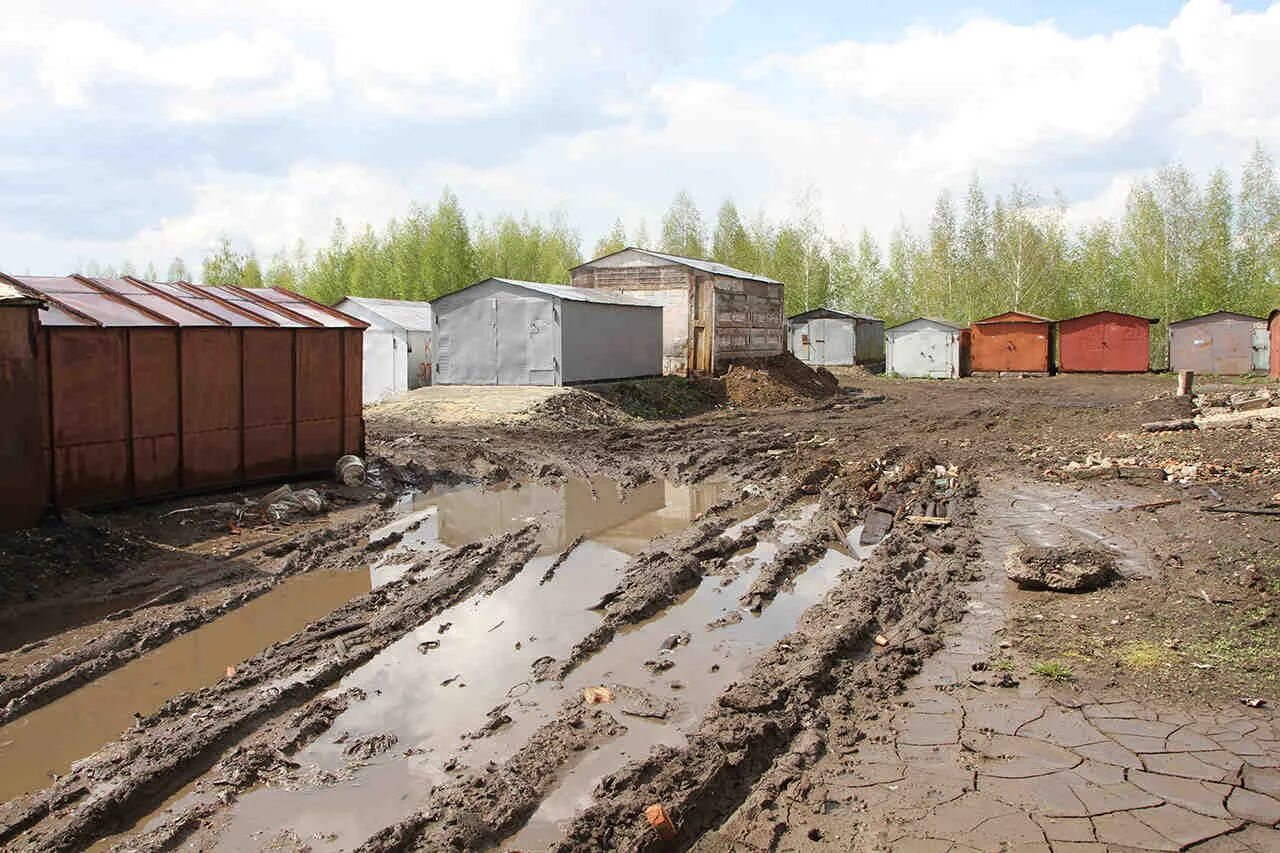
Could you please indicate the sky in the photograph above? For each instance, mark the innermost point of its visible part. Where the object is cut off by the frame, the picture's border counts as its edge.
(142, 131)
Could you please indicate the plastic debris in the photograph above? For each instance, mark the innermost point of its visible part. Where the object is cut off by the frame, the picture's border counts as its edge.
(596, 695)
(881, 640)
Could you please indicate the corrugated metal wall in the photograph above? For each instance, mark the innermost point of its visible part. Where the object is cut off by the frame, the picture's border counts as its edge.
(23, 480)
(136, 413)
(137, 401)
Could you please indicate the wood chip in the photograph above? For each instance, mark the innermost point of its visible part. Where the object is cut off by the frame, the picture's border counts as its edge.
(929, 520)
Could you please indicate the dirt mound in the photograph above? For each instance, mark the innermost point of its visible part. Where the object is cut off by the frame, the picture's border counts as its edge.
(576, 409)
(664, 398)
(1061, 570)
(781, 380)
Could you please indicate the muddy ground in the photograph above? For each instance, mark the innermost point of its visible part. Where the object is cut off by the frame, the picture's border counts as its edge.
(406, 668)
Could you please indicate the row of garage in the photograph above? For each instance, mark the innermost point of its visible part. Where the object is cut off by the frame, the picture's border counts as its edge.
(1224, 343)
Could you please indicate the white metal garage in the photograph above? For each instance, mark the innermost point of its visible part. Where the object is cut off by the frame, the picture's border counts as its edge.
(397, 344)
(505, 332)
(927, 348)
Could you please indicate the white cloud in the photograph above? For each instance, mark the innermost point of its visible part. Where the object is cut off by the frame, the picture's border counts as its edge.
(991, 91)
(877, 128)
(1233, 60)
(273, 214)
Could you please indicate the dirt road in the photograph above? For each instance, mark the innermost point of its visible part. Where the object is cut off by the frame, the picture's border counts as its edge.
(521, 636)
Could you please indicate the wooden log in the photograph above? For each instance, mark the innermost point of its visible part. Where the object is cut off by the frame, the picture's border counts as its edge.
(1169, 426)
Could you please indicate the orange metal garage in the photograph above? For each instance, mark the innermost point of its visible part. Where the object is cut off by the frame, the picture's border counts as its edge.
(1012, 342)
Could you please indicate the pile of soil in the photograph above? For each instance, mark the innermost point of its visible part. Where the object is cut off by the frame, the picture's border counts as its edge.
(1061, 570)
(576, 410)
(781, 380)
(664, 398)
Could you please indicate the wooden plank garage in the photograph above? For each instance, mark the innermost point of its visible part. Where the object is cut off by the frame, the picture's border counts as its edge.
(712, 313)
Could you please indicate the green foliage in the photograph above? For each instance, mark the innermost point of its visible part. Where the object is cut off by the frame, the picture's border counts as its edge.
(682, 229)
(1053, 670)
(224, 265)
(614, 241)
(1180, 248)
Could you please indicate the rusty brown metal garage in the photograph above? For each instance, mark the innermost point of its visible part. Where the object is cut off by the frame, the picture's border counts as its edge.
(22, 472)
(151, 388)
(1012, 342)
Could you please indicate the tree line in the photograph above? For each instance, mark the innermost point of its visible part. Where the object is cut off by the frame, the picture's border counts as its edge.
(1181, 247)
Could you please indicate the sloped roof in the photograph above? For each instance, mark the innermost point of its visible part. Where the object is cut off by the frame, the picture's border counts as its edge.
(10, 295)
(562, 291)
(936, 321)
(1151, 320)
(1218, 314)
(693, 263)
(405, 313)
(79, 300)
(818, 313)
(1013, 317)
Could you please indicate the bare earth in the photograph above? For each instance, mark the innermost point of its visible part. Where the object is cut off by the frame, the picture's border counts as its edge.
(406, 669)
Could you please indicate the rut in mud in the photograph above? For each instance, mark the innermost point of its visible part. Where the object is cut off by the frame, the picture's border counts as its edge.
(183, 737)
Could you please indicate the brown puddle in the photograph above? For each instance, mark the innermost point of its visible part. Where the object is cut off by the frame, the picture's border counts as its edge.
(431, 701)
(597, 508)
(49, 739)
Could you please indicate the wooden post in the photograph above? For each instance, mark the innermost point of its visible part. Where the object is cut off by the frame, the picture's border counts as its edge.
(1185, 379)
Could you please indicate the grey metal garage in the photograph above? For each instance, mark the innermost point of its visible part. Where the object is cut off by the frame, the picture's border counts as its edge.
(505, 332)
(830, 337)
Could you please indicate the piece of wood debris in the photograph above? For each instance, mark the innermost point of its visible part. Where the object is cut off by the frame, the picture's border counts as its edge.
(1169, 426)
(929, 520)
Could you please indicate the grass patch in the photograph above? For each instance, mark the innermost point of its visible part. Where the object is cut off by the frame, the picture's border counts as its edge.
(1053, 670)
(1142, 654)
(1003, 664)
(664, 398)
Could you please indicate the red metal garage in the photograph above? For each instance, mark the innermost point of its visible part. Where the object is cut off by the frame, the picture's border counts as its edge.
(156, 388)
(1011, 342)
(1105, 342)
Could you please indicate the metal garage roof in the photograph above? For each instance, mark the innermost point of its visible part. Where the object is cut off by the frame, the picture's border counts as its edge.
(79, 300)
(405, 313)
(562, 291)
(832, 314)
